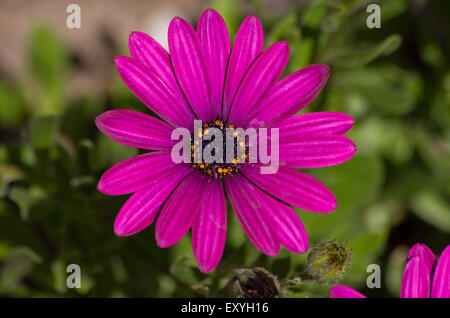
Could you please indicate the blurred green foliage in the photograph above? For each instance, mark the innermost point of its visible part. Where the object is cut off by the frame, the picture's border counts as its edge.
(395, 82)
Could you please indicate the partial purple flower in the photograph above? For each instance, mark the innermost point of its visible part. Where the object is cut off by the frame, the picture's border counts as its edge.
(341, 291)
(423, 277)
(205, 79)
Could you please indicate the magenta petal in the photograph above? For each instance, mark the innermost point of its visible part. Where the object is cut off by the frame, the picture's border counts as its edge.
(261, 76)
(138, 173)
(152, 55)
(190, 69)
(289, 229)
(344, 292)
(441, 277)
(215, 43)
(135, 129)
(181, 209)
(293, 187)
(210, 228)
(424, 253)
(312, 151)
(254, 210)
(141, 208)
(415, 280)
(154, 93)
(315, 123)
(290, 95)
(247, 46)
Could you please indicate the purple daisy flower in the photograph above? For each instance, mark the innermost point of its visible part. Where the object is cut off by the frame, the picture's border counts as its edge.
(203, 78)
(423, 277)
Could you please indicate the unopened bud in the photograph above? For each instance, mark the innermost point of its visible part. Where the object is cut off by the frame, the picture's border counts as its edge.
(329, 262)
(257, 283)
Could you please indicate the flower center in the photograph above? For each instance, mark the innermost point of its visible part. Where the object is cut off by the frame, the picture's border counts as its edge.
(220, 165)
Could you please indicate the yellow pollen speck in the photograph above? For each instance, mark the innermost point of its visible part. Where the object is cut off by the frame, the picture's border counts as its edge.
(241, 144)
(244, 156)
(217, 122)
(202, 165)
(229, 169)
(230, 126)
(192, 147)
(200, 135)
(219, 170)
(209, 171)
(234, 161)
(235, 135)
(206, 131)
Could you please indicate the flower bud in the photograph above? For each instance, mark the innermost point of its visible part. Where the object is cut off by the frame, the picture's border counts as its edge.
(257, 283)
(329, 262)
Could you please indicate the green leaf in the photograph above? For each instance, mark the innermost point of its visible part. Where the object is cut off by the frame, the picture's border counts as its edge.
(366, 247)
(440, 112)
(284, 28)
(354, 184)
(19, 263)
(230, 11)
(59, 276)
(314, 14)
(108, 152)
(388, 89)
(10, 173)
(391, 9)
(389, 137)
(48, 58)
(25, 198)
(43, 131)
(184, 270)
(354, 56)
(14, 108)
(281, 266)
(49, 64)
(302, 53)
(435, 152)
(381, 216)
(433, 209)
(395, 267)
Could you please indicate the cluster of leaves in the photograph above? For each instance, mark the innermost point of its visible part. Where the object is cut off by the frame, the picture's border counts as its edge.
(395, 82)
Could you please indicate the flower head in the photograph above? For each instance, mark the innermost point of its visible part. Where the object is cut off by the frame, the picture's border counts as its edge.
(423, 277)
(329, 262)
(257, 283)
(205, 79)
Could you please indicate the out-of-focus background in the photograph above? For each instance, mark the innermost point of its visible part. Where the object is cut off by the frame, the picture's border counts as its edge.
(395, 82)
